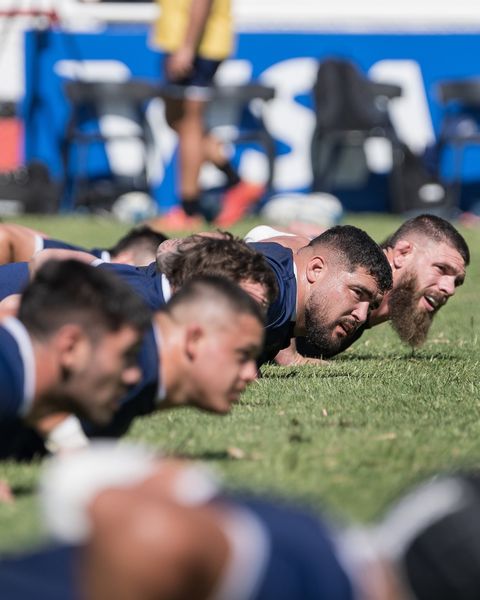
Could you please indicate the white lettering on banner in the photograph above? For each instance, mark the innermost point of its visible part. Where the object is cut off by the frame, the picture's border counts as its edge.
(409, 113)
(290, 122)
(163, 141)
(92, 70)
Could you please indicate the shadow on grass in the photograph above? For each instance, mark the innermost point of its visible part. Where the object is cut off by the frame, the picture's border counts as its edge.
(20, 491)
(411, 356)
(218, 455)
(314, 374)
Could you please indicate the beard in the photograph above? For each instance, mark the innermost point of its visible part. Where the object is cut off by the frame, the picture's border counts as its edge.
(320, 334)
(408, 319)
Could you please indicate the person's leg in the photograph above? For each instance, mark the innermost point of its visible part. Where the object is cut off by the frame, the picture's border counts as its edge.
(191, 135)
(238, 201)
(185, 117)
(215, 153)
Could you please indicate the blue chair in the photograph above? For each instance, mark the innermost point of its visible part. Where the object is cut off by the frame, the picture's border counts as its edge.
(460, 125)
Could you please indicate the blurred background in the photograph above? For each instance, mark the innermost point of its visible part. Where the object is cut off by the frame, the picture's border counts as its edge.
(377, 104)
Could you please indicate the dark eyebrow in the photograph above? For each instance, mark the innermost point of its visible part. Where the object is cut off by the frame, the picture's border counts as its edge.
(365, 291)
(459, 279)
(251, 350)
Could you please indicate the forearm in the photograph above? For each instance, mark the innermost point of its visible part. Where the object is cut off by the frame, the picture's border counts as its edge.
(40, 258)
(199, 12)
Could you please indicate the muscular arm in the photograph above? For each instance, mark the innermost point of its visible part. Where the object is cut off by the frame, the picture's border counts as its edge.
(9, 306)
(58, 254)
(17, 243)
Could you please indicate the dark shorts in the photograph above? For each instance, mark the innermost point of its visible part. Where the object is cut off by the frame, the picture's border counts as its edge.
(202, 73)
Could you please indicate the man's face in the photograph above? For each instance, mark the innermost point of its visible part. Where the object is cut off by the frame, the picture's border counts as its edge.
(225, 363)
(104, 374)
(338, 305)
(430, 279)
(439, 269)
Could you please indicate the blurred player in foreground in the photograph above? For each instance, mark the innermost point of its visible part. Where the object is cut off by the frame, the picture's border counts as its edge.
(200, 351)
(133, 527)
(73, 347)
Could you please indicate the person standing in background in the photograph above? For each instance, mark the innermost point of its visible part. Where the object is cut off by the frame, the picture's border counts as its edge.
(197, 35)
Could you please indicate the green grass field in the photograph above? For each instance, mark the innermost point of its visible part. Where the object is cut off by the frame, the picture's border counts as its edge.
(347, 436)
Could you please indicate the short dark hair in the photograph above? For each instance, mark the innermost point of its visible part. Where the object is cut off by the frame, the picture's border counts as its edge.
(71, 291)
(434, 228)
(225, 256)
(142, 237)
(218, 289)
(355, 248)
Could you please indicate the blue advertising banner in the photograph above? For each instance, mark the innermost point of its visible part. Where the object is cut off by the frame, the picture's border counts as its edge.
(287, 61)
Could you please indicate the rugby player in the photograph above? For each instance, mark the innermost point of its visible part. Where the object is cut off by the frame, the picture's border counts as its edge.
(326, 287)
(428, 258)
(72, 347)
(135, 527)
(138, 247)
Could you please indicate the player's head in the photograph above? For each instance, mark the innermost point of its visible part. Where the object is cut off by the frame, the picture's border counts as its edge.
(88, 325)
(224, 256)
(428, 257)
(431, 537)
(346, 274)
(222, 333)
(137, 247)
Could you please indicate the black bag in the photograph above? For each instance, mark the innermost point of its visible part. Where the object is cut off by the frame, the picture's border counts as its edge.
(416, 189)
(349, 108)
(29, 189)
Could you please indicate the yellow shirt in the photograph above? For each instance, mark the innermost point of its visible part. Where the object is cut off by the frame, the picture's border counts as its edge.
(170, 29)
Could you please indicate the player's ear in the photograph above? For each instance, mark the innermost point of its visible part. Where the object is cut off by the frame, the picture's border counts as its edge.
(315, 269)
(73, 346)
(194, 334)
(401, 253)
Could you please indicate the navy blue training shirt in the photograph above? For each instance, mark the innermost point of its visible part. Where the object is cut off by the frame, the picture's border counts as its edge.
(14, 278)
(281, 313)
(301, 562)
(49, 243)
(17, 370)
(146, 281)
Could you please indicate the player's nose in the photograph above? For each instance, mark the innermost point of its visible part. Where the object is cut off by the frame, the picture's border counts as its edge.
(249, 371)
(447, 285)
(131, 375)
(360, 312)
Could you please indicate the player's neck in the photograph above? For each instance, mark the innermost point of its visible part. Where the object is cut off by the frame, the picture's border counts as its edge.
(47, 383)
(170, 360)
